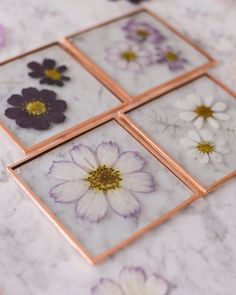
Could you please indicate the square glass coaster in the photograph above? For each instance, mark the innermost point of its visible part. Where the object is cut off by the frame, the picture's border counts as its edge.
(102, 189)
(196, 125)
(45, 94)
(139, 54)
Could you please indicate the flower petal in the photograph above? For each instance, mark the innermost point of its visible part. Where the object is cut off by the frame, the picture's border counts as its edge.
(107, 287)
(193, 153)
(14, 113)
(187, 142)
(216, 157)
(188, 116)
(69, 191)
(199, 122)
(221, 116)
(133, 280)
(206, 135)
(40, 123)
(208, 100)
(130, 162)
(194, 100)
(48, 95)
(49, 63)
(184, 105)
(156, 285)
(83, 156)
(16, 100)
(140, 182)
(107, 153)
(124, 203)
(30, 93)
(55, 117)
(222, 149)
(92, 206)
(194, 135)
(66, 170)
(203, 158)
(121, 65)
(25, 121)
(219, 107)
(213, 123)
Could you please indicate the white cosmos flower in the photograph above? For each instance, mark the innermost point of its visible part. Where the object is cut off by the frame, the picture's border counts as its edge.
(132, 281)
(200, 110)
(101, 179)
(130, 57)
(204, 147)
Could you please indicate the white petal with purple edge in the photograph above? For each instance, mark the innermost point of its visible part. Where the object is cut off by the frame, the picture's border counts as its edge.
(84, 157)
(92, 206)
(69, 191)
(132, 280)
(107, 153)
(129, 162)
(107, 287)
(124, 202)
(66, 170)
(139, 181)
(155, 285)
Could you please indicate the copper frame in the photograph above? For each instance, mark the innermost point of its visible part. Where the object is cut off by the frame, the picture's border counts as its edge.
(131, 125)
(114, 86)
(67, 132)
(160, 154)
(13, 170)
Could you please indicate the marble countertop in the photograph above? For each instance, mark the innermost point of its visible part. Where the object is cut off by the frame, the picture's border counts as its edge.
(195, 251)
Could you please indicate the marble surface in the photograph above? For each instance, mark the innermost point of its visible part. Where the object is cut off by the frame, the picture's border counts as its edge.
(195, 250)
(137, 82)
(161, 120)
(80, 93)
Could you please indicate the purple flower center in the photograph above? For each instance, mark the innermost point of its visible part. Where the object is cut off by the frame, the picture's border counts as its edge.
(104, 179)
(203, 111)
(142, 33)
(129, 55)
(205, 147)
(52, 74)
(36, 108)
(171, 56)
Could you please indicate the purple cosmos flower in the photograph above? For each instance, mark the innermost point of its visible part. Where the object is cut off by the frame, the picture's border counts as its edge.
(142, 31)
(36, 109)
(130, 57)
(101, 179)
(133, 281)
(2, 35)
(48, 72)
(171, 57)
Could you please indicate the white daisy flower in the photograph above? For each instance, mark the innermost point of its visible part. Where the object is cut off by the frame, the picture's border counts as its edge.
(100, 180)
(133, 281)
(130, 57)
(201, 110)
(204, 147)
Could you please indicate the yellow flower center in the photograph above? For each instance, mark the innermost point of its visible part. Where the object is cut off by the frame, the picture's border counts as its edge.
(36, 108)
(171, 56)
(52, 74)
(104, 179)
(205, 147)
(142, 33)
(129, 55)
(203, 111)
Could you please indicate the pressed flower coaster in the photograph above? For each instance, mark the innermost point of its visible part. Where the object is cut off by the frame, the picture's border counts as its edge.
(102, 189)
(196, 125)
(140, 54)
(47, 94)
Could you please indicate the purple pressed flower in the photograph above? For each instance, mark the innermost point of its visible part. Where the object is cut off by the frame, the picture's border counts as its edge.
(129, 57)
(171, 57)
(142, 31)
(100, 179)
(48, 72)
(36, 108)
(2, 35)
(133, 280)
(136, 2)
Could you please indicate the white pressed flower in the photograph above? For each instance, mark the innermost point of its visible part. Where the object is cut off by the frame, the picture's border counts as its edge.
(201, 110)
(101, 180)
(204, 147)
(130, 57)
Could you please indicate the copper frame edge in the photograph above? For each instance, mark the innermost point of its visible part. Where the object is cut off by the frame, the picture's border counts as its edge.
(94, 69)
